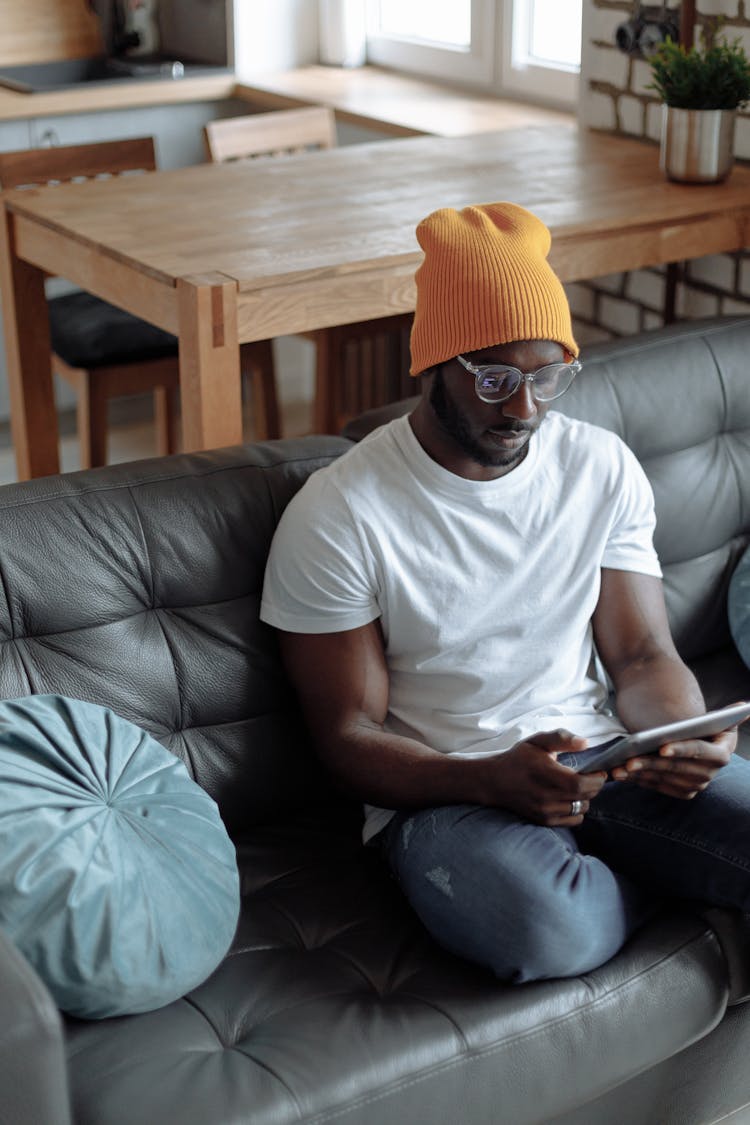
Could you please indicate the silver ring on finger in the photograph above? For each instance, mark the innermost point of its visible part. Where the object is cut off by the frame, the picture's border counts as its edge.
(576, 808)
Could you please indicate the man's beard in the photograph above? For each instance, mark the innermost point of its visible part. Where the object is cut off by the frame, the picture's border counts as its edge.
(454, 423)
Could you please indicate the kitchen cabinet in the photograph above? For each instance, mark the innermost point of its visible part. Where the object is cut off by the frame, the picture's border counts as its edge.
(14, 135)
(177, 129)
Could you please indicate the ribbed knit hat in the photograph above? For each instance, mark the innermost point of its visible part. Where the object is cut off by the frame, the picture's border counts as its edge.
(485, 280)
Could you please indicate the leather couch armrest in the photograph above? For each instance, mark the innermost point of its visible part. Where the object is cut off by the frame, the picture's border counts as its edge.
(33, 1073)
(733, 931)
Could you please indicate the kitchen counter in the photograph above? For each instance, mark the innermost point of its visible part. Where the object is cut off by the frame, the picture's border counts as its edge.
(396, 104)
(90, 98)
(393, 104)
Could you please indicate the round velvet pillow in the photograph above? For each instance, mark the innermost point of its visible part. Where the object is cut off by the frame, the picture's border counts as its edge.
(118, 880)
(739, 607)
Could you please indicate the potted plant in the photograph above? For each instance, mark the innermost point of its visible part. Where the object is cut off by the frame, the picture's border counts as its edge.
(701, 89)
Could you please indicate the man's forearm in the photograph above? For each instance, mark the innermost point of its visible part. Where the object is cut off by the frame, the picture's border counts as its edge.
(390, 770)
(658, 690)
(399, 773)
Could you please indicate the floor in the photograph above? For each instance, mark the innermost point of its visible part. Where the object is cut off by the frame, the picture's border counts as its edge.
(131, 435)
(133, 440)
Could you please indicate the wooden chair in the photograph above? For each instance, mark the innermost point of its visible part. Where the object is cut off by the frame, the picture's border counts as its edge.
(358, 366)
(278, 133)
(102, 351)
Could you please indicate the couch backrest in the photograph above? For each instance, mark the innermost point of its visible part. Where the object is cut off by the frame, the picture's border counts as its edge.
(138, 586)
(680, 398)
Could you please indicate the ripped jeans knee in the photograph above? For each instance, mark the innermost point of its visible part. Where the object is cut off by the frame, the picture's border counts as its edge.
(518, 898)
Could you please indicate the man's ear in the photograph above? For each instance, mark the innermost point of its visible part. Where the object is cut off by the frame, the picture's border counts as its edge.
(426, 377)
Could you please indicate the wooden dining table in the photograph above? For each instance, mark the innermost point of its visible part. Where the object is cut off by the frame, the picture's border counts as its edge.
(223, 254)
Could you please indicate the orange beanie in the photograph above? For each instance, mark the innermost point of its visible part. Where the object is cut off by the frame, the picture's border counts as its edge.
(485, 280)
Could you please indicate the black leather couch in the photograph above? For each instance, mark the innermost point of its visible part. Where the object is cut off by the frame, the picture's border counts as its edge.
(137, 587)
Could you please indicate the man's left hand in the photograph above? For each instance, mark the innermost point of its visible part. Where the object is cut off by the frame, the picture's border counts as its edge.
(680, 769)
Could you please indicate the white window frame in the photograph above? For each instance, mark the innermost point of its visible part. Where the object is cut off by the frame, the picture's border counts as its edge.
(499, 28)
(473, 67)
(522, 76)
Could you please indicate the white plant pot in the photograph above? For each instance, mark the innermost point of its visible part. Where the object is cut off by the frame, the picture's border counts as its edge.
(697, 145)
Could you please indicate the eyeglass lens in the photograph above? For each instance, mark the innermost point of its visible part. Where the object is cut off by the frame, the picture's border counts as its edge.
(494, 384)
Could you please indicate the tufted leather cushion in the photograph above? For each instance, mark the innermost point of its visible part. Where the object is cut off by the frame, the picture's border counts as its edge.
(157, 572)
(336, 1007)
(680, 398)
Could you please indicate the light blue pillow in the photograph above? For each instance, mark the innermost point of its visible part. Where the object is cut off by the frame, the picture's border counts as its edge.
(118, 880)
(739, 607)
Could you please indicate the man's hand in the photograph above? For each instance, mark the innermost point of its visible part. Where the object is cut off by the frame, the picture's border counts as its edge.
(680, 769)
(528, 781)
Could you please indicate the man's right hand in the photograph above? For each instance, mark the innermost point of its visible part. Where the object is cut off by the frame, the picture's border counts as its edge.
(529, 781)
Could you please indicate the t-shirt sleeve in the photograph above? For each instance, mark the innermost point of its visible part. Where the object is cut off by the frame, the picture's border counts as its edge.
(318, 577)
(630, 544)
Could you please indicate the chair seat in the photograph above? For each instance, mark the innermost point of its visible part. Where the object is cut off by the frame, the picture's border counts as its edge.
(88, 332)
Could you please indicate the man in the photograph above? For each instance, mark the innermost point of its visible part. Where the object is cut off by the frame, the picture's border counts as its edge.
(449, 594)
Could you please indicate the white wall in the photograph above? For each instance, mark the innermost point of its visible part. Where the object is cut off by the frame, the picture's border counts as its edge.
(614, 97)
(274, 35)
(613, 85)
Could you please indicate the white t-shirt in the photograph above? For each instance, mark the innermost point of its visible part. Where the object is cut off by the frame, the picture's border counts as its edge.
(485, 589)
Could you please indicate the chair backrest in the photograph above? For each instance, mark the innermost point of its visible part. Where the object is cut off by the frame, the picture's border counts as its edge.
(37, 166)
(277, 133)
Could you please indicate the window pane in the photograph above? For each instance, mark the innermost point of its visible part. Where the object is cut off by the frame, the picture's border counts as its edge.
(434, 21)
(555, 32)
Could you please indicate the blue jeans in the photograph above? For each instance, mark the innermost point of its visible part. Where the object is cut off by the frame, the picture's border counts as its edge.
(532, 902)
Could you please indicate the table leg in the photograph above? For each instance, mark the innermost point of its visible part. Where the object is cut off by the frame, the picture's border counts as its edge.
(209, 362)
(33, 417)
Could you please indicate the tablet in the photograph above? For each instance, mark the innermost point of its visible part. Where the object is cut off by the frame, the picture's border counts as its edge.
(649, 741)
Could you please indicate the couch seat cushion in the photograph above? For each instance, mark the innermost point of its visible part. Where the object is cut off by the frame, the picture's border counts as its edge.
(118, 880)
(335, 1006)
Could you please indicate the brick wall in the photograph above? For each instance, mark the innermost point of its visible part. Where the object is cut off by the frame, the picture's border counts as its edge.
(614, 98)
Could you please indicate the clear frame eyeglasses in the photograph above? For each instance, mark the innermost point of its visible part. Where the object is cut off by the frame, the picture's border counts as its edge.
(499, 382)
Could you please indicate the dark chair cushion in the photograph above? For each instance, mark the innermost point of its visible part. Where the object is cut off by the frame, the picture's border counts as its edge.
(90, 333)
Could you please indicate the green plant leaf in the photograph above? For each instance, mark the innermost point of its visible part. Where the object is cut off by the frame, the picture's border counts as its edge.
(714, 76)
